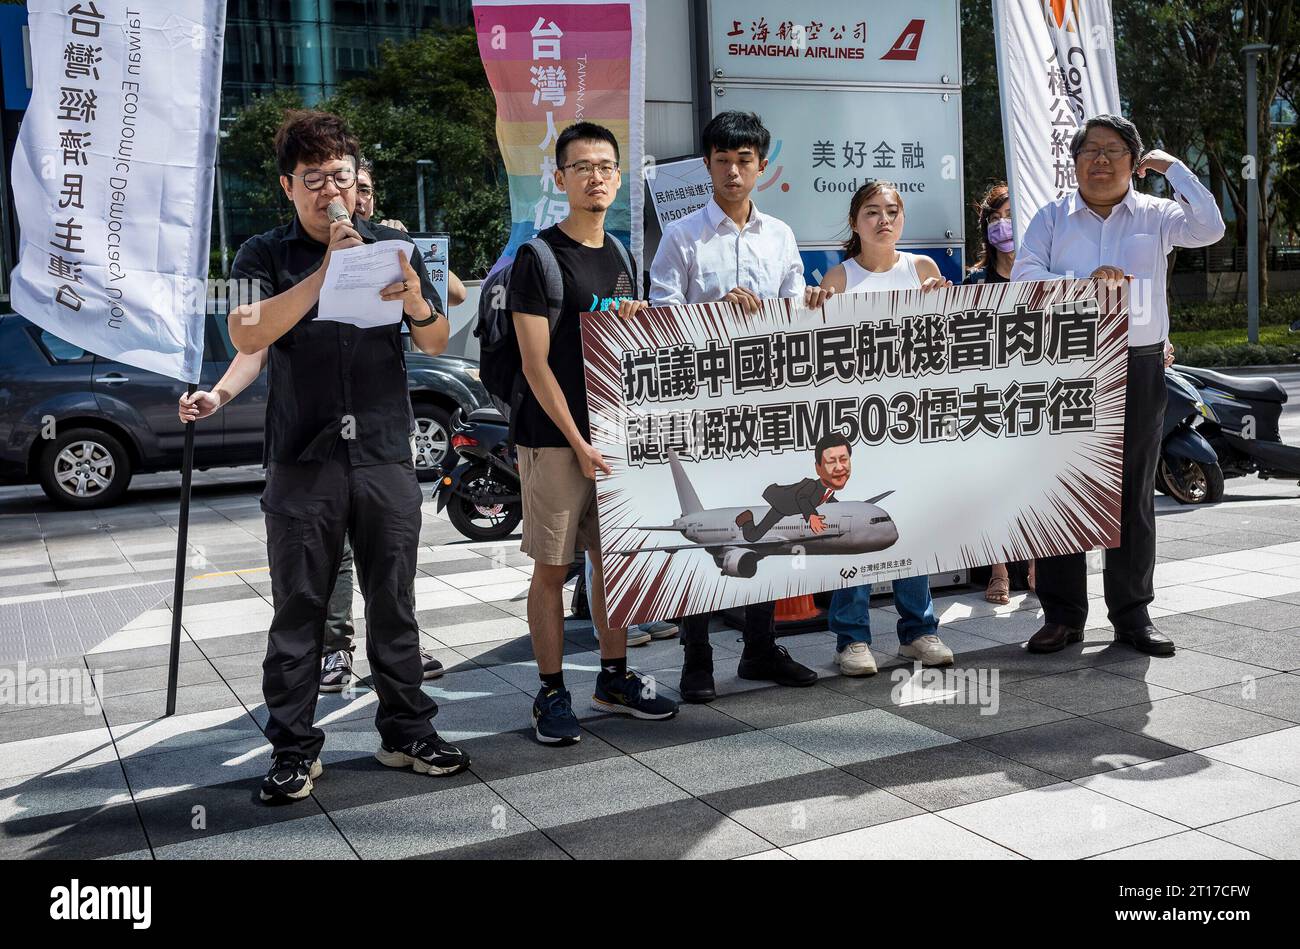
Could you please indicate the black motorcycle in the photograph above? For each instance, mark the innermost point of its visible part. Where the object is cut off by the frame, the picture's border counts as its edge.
(1241, 422)
(1189, 468)
(481, 494)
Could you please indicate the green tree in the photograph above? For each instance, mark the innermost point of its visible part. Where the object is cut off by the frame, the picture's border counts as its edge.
(428, 99)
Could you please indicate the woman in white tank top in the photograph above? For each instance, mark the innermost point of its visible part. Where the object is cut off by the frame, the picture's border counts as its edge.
(874, 263)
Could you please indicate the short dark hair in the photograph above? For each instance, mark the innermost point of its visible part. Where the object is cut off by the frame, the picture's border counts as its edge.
(728, 131)
(1116, 123)
(583, 132)
(831, 440)
(367, 166)
(309, 136)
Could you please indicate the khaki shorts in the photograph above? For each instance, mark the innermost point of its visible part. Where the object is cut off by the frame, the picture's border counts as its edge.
(559, 506)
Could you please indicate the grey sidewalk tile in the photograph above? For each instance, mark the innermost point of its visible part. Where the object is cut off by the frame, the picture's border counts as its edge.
(71, 789)
(1278, 651)
(303, 838)
(48, 721)
(766, 708)
(217, 727)
(1192, 630)
(1185, 549)
(240, 665)
(82, 749)
(355, 778)
(1275, 695)
(678, 830)
(1189, 722)
(585, 791)
(439, 820)
(949, 775)
(859, 736)
(530, 845)
(1060, 822)
(1267, 615)
(1188, 671)
(476, 718)
(807, 806)
(152, 678)
(140, 658)
(1015, 662)
(922, 836)
(466, 685)
(514, 753)
(692, 723)
(719, 764)
(237, 644)
(150, 706)
(968, 721)
(1274, 833)
(73, 835)
(1084, 691)
(1075, 747)
(1276, 754)
(1193, 789)
(1189, 845)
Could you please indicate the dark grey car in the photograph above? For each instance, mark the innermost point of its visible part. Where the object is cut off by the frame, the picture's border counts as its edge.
(82, 425)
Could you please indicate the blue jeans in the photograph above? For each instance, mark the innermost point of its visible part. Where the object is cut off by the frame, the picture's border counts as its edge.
(850, 617)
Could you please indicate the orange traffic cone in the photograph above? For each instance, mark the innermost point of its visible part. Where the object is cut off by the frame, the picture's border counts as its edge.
(796, 609)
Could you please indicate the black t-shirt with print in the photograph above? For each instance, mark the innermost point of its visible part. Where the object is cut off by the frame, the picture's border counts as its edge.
(594, 279)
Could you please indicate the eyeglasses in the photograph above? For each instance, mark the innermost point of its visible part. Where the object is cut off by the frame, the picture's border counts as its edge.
(344, 179)
(1114, 153)
(364, 190)
(585, 169)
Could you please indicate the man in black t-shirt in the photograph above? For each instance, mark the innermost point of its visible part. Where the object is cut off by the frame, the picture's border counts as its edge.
(338, 460)
(557, 463)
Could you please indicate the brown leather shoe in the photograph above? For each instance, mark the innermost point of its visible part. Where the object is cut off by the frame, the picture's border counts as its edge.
(1054, 637)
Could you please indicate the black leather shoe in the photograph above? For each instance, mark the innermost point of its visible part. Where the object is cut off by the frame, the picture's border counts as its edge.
(696, 686)
(1146, 639)
(1054, 637)
(775, 665)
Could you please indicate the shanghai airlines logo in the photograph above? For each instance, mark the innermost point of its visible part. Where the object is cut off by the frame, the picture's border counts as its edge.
(908, 43)
(776, 175)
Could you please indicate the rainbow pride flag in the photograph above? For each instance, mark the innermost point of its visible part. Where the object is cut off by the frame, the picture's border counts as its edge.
(553, 64)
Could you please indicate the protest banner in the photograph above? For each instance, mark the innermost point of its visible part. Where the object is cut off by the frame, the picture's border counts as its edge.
(985, 424)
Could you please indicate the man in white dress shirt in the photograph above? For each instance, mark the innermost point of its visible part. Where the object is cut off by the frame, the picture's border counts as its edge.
(730, 252)
(1109, 231)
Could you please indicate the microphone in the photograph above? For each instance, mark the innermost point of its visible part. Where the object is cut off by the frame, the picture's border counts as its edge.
(337, 212)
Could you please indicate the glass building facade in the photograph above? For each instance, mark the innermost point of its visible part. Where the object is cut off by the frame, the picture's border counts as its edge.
(314, 45)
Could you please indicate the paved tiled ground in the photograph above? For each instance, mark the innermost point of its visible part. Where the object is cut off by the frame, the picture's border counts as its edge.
(1092, 752)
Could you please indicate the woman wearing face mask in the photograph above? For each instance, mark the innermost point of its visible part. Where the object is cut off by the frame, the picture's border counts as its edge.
(997, 254)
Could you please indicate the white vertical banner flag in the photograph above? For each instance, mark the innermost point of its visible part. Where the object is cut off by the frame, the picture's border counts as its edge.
(1056, 68)
(113, 175)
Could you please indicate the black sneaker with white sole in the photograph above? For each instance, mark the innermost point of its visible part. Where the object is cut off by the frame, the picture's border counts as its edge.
(336, 671)
(290, 778)
(432, 667)
(428, 755)
(631, 694)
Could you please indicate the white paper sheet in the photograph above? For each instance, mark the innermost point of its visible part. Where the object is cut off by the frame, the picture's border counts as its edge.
(353, 281)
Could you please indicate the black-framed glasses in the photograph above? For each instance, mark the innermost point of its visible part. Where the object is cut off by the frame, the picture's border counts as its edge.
(364, 190)
(344, 179)
(585, 169)
(1092, 152)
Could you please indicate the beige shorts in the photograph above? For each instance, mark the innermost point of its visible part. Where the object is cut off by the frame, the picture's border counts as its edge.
(559, 506)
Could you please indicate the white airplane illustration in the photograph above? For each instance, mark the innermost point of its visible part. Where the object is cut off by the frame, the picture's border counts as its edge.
(852, 527)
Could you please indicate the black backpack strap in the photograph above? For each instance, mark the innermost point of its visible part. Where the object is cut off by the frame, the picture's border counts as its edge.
(554, 280)
(627, 261)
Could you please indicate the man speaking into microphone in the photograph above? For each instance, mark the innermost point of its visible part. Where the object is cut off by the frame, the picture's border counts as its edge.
(338, 458)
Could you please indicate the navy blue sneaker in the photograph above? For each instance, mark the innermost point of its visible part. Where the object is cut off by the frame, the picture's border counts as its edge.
(630, 694)
(553, 720)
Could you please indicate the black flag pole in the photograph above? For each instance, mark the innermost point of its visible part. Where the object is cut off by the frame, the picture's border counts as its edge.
(182, 536)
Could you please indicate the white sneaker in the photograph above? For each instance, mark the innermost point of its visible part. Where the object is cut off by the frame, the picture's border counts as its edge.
(928, 650)
(855, 659)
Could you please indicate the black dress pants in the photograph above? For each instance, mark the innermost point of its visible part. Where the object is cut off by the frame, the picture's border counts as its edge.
(1062, 582)
(759, 630)
(310, 509)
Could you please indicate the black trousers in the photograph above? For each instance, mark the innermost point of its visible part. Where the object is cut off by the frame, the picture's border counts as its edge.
(1062, 582)
(759, 630)
(310, 509)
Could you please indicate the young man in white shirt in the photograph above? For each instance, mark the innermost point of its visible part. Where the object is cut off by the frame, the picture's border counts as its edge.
(729, 252)
(1109, 231)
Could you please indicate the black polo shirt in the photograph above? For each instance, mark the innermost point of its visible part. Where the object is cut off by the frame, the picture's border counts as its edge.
(328, 381)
